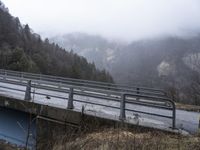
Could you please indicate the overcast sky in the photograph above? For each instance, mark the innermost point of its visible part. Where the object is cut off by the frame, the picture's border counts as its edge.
(116, 19)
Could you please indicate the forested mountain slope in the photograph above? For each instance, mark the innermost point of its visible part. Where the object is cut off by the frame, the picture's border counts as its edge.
(23, 50)
(95, 48)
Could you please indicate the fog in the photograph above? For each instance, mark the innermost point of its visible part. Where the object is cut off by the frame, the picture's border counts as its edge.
(115, 19)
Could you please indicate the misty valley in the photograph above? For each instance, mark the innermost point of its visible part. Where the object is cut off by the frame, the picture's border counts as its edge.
(171, 63)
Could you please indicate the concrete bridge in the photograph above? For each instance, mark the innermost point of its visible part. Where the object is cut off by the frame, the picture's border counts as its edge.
(31, 96)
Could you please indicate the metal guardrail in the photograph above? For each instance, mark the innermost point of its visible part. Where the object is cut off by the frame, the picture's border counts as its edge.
(85, 83)
(123, 108)
(144, 96)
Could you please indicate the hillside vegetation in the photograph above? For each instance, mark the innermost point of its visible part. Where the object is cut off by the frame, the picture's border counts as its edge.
(23, 50)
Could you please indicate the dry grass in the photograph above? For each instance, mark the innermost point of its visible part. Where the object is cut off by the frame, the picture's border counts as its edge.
(8, 146)
(188, 107)
(122, 139)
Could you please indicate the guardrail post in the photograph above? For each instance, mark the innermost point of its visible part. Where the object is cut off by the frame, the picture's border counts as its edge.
(59, 85)
(5, 74)
(21, 76)
(174, 116)
(138, 92)
(40, 76)
(28, 91)
(122, 108)
(70, 99)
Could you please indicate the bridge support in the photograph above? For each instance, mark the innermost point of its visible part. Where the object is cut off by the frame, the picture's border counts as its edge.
(70, 99)
(122, 108)
(28, 91)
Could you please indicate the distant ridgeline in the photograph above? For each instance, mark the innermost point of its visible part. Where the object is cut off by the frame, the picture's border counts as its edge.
(23, 50)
